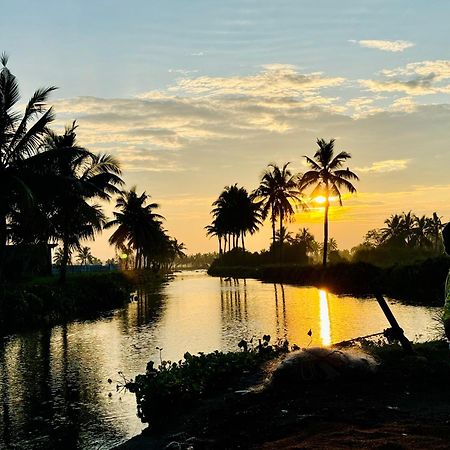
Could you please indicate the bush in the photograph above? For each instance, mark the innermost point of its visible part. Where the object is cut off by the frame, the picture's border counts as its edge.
(44, 301)
(175, 386)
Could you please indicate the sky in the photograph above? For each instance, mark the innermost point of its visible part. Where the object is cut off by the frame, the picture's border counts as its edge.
(194, 95)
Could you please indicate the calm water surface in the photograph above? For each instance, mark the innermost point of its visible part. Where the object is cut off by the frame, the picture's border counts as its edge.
(53, 383)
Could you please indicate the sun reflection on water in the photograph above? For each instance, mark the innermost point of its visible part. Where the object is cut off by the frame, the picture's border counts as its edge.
(325, 327)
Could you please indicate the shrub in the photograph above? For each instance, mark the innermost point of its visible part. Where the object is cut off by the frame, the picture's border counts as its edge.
(173, 387)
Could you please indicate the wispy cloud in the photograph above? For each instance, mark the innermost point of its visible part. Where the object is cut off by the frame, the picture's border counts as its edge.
(384, 45)
(388, 165)
(275, 80)
(419, 78)
(183, 71)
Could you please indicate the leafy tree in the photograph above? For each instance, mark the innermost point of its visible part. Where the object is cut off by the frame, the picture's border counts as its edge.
(328, 178)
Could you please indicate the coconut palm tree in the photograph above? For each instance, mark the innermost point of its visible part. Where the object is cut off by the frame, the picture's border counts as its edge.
(307, 239)
(421, 235)
(434, 230)
(278, 193)
(21, 138)
(84, 256)
(138, 226)
(235, 215)
(78, 178)
(329, 179)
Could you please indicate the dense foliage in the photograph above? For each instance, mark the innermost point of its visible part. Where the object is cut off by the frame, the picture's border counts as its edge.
(44, 302)
(172, 387)
(51, 178)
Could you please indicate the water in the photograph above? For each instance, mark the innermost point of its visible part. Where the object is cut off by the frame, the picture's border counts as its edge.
(54, 390)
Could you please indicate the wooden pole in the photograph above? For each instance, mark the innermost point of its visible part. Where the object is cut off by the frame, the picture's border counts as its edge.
(404, 341)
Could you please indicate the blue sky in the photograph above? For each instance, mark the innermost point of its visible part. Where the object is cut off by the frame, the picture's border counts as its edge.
(195, 95)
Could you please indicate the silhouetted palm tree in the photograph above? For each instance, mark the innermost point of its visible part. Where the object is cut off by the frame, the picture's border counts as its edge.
(138, 226)
(84, 256)
(434, 230)
(305, 237)
(421, 235)
(235, 214)
(328, 179)
(21, 137)
(278, 192)
(78, 178)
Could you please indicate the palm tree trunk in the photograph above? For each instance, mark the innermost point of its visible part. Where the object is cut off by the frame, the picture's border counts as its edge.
(220, 245)
(325, 233)
(242, 239)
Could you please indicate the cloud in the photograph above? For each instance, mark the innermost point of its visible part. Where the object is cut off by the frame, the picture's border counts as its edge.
(275, 80)
(387, 46)
(419, 78)
(387, 165)
(183, 72)
(439, 70)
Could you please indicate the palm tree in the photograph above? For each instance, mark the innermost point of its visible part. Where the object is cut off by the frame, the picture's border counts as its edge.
(235, 214)
(421, 235)
(215, 230)
(434, 229)
(138, 226)
(307, 239)
(58, 257)
(78, 177)
(278, 192)
(328, 179)
(84, 256)
(21, 138)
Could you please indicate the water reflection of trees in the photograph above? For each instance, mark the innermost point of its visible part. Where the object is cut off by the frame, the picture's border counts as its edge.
(49, 391)
(235, 307)
(233, 299)
(146, 307)
(281, 322)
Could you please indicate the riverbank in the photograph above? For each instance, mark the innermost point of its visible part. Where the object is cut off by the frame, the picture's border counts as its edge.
(421, 282)
(45, 302)
(405, 405)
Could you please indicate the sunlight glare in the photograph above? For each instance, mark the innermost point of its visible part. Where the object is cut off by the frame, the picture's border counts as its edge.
(325, 328)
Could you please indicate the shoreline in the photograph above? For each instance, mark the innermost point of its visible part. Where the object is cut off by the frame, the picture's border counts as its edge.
(420, 283)
(43, 302)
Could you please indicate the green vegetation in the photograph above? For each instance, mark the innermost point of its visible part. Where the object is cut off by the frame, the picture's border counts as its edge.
(43, 301)
(173, 387)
